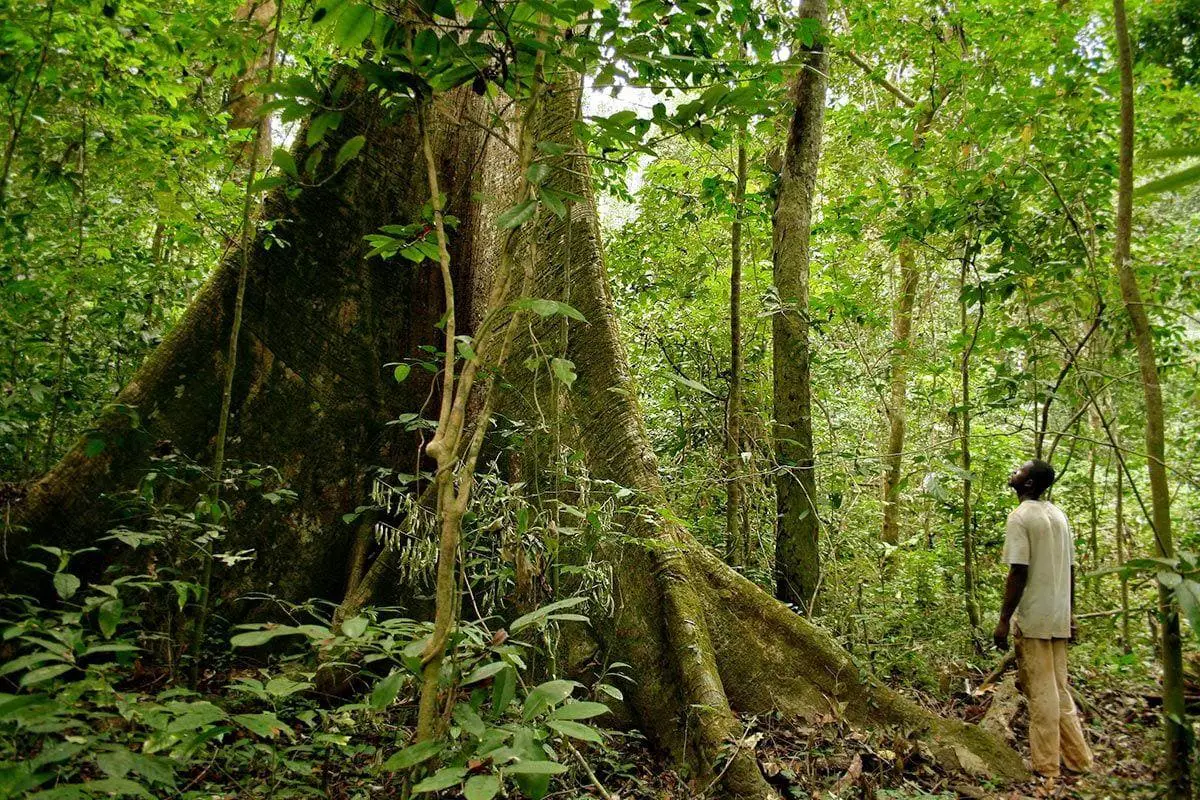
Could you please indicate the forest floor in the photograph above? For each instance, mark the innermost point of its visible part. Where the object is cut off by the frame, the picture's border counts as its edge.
(828, 760)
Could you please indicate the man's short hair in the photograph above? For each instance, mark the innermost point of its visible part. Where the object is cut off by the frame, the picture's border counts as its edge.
(1042, 475)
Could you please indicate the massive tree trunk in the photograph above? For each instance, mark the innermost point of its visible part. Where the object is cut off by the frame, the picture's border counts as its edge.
(1178, 731)
(797, 556)
(704, 643)
(310, 397)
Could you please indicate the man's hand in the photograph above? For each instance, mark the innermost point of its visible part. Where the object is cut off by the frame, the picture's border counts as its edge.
(1074, 630)
(1000, 635)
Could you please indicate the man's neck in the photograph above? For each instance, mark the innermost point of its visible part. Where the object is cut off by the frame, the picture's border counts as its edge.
(1021, 498)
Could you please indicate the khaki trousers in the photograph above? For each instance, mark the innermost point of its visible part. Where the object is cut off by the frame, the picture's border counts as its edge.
(1054, 731)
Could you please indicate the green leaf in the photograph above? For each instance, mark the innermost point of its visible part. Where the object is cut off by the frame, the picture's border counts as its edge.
(94, 447)
(400, 373)
(444, 778)
(584, 709)
(545, 695)
(553, 201)
(576, 730)
(321, 125)
(518, 215)
(43, 674)
(484, 672)
(264, 724)
(65, 584)
(546, 308)
(385, 692)
(481, 787)
(564, 370)
(283, 159)
(535, 768)
(283, 687)
(691, 384)
(348, 151)
(539, 614)
(504, 689)
(537, 173)
(109, 616)
(412, 755)
(354, 25)
(356, 626)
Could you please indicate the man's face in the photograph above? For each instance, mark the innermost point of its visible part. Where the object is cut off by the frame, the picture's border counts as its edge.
(1019, 476)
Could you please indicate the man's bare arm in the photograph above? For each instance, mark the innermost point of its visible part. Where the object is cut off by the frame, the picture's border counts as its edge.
(1014, 587)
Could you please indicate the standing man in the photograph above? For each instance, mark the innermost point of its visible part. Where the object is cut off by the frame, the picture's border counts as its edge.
(1038, 600)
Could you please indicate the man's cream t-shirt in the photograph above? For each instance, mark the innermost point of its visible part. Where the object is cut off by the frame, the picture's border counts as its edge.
(1038, 534)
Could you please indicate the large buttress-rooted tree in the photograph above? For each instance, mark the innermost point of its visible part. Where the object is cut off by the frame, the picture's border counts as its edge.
(311, 396)
(705, 644)
(797, 554)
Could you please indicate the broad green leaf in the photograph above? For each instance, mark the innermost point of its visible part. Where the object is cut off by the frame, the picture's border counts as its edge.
(412, 755)
(400, 374)
(109, 616)
(518, 215)
(348, 151)
(354, 25)
(564, 370)
(546, 695)
(357, 626)
(584, 709)
(442, 779)
(576, 730)
(385, 692)
(535, 768)
(264, 724)
(1170, 183)
(539, 614)
(484, 672)
(65, 584)
(283, 159)
(43, 674)
(282, 687)
(481, 787)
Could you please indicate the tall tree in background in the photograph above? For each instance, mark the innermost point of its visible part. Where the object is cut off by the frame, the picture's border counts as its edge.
(1178, 732)
(736, 535)
(797, 554)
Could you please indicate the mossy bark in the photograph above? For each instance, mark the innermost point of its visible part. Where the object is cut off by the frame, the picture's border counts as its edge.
(797, 553)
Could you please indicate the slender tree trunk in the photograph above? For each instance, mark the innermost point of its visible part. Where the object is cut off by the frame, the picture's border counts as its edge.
(893, 455)
(1120, 526)
(64, 335)
(968, 519)
(737, 544)
(1178, 732)
(797, 553)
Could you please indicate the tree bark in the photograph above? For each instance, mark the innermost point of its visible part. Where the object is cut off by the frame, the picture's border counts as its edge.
(1178, 731)
(797, 553)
